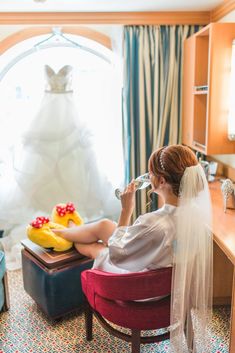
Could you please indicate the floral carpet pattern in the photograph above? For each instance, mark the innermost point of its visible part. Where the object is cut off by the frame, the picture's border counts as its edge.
(24, 328)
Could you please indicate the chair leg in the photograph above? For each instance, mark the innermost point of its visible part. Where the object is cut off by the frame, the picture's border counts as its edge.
(135, 341)
(6, 305)
(88, 321)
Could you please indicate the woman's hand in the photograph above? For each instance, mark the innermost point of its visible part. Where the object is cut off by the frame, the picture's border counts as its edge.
(127, 198)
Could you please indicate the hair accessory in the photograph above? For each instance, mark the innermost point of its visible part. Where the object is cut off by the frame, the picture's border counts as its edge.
(161, 159)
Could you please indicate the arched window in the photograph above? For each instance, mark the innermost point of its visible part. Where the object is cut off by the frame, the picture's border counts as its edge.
(97, 83)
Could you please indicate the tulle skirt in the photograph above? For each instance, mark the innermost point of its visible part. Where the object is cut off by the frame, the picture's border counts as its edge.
(54, 162)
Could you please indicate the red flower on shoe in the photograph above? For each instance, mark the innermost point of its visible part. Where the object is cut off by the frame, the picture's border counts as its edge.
(39, 222)
(68, 208)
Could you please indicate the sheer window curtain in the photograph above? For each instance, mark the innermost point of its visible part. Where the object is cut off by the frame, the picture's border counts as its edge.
(151, 95)
(94, 81)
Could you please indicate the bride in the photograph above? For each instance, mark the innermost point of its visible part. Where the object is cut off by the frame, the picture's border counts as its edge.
(55, 162)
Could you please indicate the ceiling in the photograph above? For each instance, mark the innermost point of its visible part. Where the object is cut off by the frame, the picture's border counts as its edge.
(107, 5)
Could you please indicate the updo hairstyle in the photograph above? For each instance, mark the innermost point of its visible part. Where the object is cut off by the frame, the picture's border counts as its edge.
(170, 162)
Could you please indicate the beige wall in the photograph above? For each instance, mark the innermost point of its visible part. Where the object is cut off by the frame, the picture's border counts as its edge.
(6, 31)
(229, 18)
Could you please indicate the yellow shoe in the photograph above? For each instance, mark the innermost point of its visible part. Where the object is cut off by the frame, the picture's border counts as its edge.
(39, 231)
(64, 213)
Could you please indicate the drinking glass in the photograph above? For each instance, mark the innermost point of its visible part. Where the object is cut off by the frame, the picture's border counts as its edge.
(141, 182)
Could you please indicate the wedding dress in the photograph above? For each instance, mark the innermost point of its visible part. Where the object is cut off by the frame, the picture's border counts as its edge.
(55, 163)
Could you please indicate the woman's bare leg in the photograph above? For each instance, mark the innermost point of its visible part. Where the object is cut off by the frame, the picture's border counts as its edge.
(90, 250)
(88, 233)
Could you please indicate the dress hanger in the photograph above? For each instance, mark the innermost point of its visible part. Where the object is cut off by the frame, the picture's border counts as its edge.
(47, 43)
(57, 33)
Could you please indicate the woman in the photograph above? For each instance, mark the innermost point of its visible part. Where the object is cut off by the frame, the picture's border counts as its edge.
(178, 235)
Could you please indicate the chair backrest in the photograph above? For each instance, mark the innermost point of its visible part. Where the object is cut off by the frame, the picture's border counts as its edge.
(131, 286)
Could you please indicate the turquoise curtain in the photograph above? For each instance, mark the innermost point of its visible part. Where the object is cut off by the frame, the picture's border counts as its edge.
(151, 95)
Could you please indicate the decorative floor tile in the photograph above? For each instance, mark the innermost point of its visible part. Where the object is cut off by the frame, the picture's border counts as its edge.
(24, 329)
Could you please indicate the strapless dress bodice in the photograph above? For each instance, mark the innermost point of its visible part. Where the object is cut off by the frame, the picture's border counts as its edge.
(60, 82)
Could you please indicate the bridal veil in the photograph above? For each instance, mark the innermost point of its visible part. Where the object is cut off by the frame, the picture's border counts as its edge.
(191, 303)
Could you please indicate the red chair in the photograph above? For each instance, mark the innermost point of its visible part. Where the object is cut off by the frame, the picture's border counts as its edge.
(113, 297)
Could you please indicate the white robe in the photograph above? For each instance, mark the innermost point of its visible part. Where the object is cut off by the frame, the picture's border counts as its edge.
(146, 245)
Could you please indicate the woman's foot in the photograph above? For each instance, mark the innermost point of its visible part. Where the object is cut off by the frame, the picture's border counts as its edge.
(71, 224)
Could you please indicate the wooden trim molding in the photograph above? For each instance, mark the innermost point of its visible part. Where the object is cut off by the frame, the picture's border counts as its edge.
(222, 10)
(124, 18)
(30, 32)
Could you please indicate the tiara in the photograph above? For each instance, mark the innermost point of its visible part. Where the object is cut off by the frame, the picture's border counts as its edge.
(161, 160)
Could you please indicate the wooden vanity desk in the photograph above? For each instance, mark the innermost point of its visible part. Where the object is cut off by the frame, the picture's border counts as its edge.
(224, 256)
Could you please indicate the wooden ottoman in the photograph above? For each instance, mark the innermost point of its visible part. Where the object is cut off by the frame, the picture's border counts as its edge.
(52, 278)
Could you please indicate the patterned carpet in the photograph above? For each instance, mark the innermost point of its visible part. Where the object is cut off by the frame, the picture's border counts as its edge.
(24, 329)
